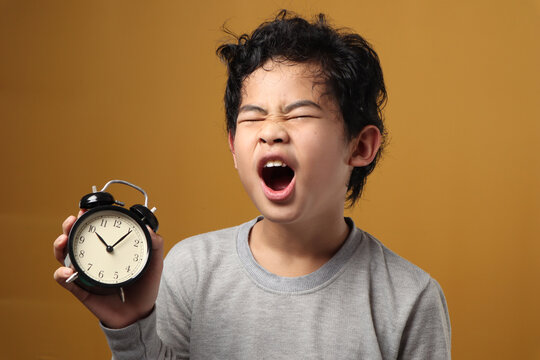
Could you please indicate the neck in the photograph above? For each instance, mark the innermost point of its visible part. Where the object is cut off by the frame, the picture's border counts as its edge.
(292, 250)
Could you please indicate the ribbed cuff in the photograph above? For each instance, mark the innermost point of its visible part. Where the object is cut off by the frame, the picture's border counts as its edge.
(136, 341)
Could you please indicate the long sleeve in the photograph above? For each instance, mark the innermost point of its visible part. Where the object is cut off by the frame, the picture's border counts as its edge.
(427, 334)
(164, 334)
(138, 341)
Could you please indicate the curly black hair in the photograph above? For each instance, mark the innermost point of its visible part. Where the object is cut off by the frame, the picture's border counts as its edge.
(349, 66)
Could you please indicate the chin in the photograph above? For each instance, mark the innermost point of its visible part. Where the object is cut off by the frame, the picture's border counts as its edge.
(280, 213)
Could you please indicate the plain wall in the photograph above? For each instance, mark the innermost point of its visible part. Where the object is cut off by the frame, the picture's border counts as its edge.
(98, 90)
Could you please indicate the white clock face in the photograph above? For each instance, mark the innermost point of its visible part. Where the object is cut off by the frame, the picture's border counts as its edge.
(110, 247)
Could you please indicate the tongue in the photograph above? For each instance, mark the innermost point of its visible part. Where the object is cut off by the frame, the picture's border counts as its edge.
(277, 178)
(280, 184)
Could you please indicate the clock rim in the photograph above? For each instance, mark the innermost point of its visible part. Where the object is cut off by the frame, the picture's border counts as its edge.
(86, 281)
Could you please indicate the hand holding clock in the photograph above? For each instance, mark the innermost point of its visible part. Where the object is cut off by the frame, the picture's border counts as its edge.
(109, 309)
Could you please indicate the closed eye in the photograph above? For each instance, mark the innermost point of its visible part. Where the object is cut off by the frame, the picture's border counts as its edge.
(249, 120)
(301, 116)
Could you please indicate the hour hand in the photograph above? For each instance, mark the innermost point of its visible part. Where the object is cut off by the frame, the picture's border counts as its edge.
(107, 246)
(122, 238)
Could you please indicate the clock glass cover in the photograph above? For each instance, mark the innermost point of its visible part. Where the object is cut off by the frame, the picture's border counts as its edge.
(109, 247)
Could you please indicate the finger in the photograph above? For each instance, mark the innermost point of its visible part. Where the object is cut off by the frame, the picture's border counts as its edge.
(157, 241)
(61, 275)
(157, 254)
(60, 248)
(68, 223)
(155, 268)
(103, 307)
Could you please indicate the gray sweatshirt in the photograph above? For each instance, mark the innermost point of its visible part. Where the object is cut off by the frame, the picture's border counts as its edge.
(216, 302)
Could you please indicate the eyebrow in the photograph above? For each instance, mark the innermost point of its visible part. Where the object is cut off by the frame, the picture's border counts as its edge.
(300, 103)
(253, 108)
(286, 109)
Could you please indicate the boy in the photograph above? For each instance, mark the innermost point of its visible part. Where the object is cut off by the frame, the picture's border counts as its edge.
(303, 107)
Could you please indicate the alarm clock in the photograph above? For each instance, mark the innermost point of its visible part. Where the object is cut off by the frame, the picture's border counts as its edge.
(109, 246)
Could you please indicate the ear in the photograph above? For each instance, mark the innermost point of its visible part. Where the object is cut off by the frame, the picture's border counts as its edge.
(231, 146)
(364, 146)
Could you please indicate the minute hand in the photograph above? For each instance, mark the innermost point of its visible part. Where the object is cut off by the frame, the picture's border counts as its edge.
(122, 238)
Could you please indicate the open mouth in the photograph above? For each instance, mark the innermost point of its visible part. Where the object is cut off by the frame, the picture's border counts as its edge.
(277, 175)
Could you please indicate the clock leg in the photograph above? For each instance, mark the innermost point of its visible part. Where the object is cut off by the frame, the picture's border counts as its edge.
(122, 295)
(72, 278)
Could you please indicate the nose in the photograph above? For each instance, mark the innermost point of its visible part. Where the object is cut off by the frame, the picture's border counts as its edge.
(273, 132)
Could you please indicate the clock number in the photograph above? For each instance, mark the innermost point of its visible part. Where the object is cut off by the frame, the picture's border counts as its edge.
(136, 257)
(115, 276)
(91, 229)
(89, 266)
(100, 274)
(103, 223)
(81, 239)
(128, 268)
(117, 223)
(81, 253)
(137, 241)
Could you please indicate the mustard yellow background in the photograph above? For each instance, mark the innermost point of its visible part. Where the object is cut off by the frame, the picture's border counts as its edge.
(98, 90)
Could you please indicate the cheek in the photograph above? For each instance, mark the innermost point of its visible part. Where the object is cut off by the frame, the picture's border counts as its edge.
(243, 144)
(327, 160)
(242, 161)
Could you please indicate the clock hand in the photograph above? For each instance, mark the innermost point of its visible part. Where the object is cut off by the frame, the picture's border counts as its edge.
(109, 248)
(122, 238)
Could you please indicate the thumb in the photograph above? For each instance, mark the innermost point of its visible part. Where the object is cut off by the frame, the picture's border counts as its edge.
(61, 275)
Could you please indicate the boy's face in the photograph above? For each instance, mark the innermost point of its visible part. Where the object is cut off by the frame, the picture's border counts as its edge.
(290, 147)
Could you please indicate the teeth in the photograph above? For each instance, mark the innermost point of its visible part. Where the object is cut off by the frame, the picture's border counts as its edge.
(275, 163)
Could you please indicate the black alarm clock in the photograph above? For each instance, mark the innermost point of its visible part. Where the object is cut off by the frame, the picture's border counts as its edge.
(109, 246)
